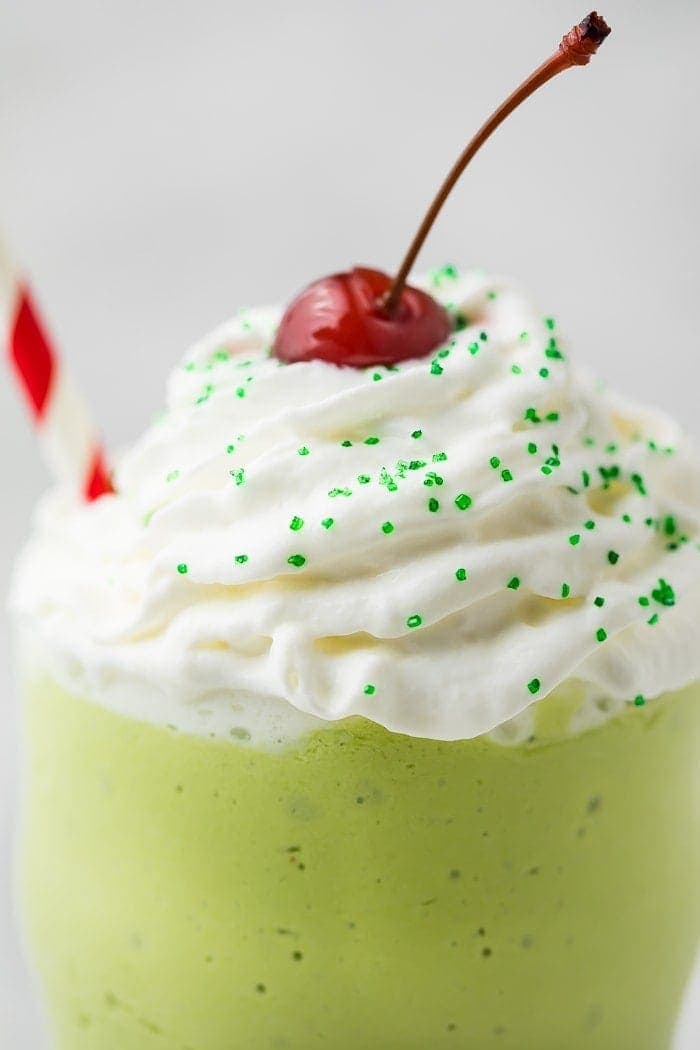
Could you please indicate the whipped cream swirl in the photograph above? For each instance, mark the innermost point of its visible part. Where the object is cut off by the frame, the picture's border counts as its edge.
(434, 546)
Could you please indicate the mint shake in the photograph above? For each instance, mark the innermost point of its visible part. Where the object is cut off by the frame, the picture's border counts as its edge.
(366, 712)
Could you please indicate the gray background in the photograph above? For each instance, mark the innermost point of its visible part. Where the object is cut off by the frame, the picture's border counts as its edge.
(164, 162)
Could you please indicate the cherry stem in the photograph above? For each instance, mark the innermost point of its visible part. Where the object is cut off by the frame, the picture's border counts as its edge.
(575, 49)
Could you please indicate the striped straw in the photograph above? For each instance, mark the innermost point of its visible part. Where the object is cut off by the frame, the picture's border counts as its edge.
(69, 440)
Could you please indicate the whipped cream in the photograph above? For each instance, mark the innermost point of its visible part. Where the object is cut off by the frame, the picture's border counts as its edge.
(435, 546)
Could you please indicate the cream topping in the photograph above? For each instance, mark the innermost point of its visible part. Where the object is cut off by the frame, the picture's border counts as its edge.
(434, 546)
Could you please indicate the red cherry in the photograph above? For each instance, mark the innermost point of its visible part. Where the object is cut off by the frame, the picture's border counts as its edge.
(341, 319)
(364, 317)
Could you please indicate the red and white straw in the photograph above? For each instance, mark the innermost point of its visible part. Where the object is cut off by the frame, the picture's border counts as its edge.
(68, 437)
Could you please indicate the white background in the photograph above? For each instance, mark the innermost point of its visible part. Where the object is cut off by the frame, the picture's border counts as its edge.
(164, 162)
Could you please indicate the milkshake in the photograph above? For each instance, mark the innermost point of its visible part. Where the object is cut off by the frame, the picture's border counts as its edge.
(366, 712)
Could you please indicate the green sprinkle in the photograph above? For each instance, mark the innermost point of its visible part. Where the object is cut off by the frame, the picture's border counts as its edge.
(417, 434)
(638, 483)
(491, 295)
(431, 478)
(240, 392)
(182, 568)
(664, 594)
(495, 462)
(600, 602)
(516, 370)
(483, 336)
(296, 523)
(205, 395)
(669, 525)
(531, 447)
(553, 417)
(238, 475)
(297, 560)
(609, 473)
(544, 372)
(443, 353)
(524, 336)
(575, 539)
(172, 475)
(461, 322)
(230, 449)
(328, 523)
(653, 619)
(461, 575)
(639, 701)
(643, 600)
(613, 557)
(443, 273)
(385, 478)
(433, 505)
(346, 444)
(531, 415)
(416, 464)
(513, 583)
(549, 322)
(463, 501)
(506, 475)
(436, 368)
(601, 634)
(546, 470)
(626, 518)
(241, 559)
(439, 457)
(370, 689)
(565, 590)
(534, 685)
(339, 492)
(364, 479)
(585, 478)
(372, 441)
(589, 525)
(376, 377)
(303, 451)
(414, 621)
(387, 528)
(473, 348)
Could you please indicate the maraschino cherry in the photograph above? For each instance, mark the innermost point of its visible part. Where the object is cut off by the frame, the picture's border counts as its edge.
(365, 317)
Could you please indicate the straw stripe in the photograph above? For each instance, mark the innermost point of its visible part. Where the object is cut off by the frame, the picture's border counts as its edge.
(98, 482)
(30, 353)
(63, 424)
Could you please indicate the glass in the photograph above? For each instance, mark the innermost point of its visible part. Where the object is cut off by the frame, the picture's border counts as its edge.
(360, 888)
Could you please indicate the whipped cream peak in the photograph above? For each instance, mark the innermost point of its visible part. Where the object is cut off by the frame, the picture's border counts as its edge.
(435, 545)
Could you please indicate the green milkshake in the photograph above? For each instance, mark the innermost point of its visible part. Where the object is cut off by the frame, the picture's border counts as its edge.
(361, 888)
(365, 712)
